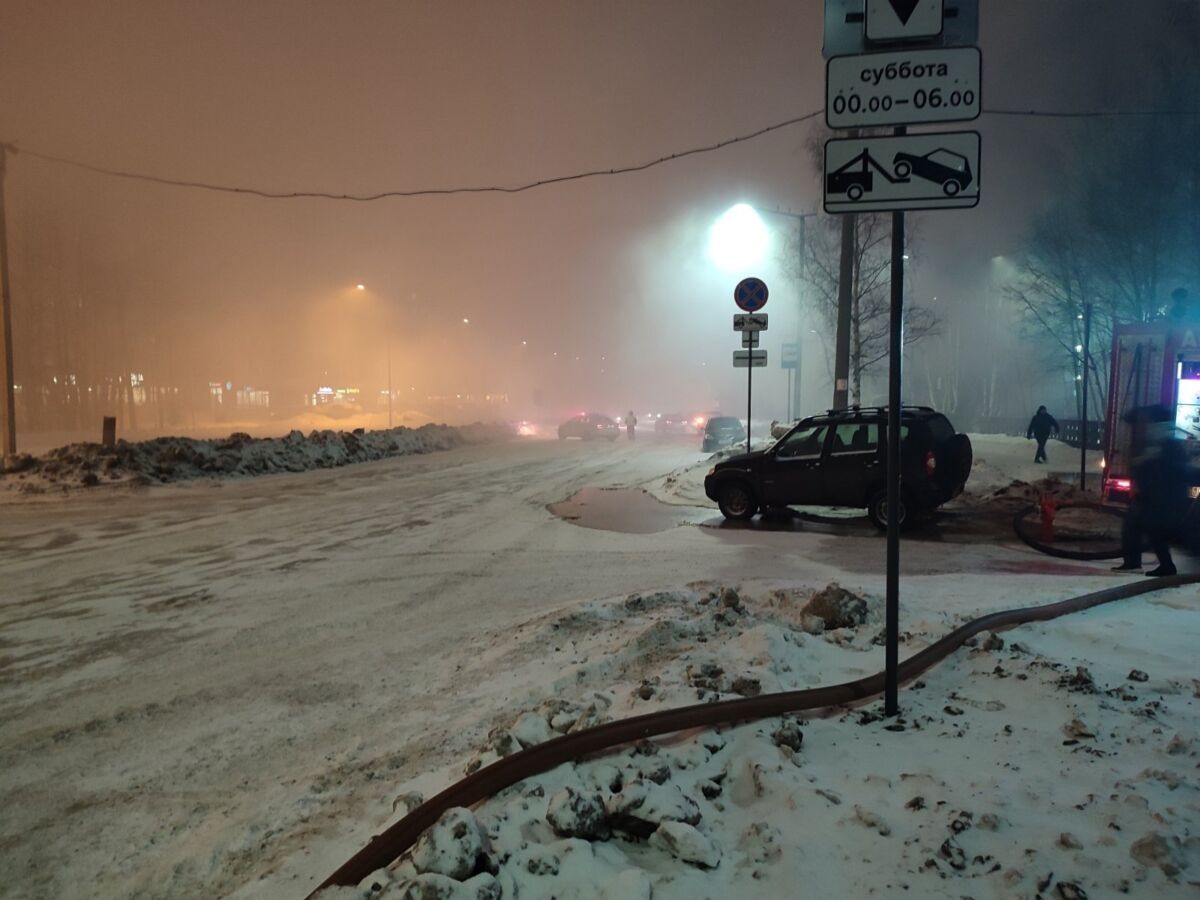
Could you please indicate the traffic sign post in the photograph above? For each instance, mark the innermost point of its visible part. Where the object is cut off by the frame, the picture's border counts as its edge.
(914, 83)
(846, 27)
(919, 171)
(749, 359)
(789, 360)
(750, 322)
(904, 20)
(750, 295)
(911, 87)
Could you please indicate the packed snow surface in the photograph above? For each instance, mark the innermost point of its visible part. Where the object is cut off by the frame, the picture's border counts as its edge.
(226, 686)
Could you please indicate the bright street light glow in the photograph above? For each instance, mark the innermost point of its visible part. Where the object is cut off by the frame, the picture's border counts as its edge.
(466, 321)
(361, 287)
(739, 239)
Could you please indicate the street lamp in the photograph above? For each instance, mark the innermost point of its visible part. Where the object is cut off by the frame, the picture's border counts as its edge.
(738, 239)
(793, 410)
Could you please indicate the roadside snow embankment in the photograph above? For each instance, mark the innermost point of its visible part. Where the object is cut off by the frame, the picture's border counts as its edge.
(1042, 762)
(169, 459)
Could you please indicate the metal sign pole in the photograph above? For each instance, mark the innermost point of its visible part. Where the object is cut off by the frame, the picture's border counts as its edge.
(895, 372)
(749, 384)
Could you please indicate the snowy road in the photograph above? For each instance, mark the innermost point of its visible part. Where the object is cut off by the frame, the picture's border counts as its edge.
(211, 685)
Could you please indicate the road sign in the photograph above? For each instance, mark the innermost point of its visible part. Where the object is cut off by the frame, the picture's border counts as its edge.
(750, 294)
(907, 87)
(746, 322)
(846, 27)
(916, 171)
(745, 359)
(903, 20)
(789, 355)
(750, 338)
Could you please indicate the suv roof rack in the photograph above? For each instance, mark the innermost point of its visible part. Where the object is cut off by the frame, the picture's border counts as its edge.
(853, 410)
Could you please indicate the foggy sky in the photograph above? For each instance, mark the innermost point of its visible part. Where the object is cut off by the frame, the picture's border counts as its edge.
(367, 96)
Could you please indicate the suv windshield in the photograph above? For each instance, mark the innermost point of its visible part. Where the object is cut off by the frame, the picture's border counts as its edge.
(802, 442)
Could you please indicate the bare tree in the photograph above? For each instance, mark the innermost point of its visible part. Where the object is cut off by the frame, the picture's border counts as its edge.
(870, 291)
(1123, 232)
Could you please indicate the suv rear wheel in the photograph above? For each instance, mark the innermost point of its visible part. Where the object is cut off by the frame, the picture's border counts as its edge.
(877, 510)
(737, 501)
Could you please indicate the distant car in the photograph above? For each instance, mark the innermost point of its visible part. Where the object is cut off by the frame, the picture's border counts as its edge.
(720, 432)
(839, 459)
(674, 423)
(589, 427)
(950, 170)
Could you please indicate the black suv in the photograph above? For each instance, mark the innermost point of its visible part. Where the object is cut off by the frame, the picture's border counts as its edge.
(840, 459)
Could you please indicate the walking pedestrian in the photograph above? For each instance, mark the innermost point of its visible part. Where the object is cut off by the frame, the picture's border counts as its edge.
(1040, 427)
(630, 424)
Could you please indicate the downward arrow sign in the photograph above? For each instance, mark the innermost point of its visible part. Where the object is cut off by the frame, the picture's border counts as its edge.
(904, 9)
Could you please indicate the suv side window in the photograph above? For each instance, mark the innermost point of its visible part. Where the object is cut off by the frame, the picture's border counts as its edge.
(804, 443)
(855, 437)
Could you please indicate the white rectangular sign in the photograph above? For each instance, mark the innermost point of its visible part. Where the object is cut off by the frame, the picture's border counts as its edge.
(909, 87)
(750, 338)
(789, 355)
(915, 171)
(750, 322)
(742, 359)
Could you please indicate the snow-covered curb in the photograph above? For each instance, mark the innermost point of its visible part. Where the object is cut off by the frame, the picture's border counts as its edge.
(1018, 767)
(170, 459)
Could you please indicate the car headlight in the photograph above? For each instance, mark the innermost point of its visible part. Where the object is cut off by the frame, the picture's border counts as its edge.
(712, 471)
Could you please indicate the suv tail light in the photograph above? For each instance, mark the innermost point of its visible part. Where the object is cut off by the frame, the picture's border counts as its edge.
(930, 463)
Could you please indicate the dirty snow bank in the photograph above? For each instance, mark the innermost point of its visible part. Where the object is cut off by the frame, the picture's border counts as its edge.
(169, 459)
(1042, 762)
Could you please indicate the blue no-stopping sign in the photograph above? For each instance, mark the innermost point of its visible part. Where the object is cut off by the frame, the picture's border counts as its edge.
(750, 294)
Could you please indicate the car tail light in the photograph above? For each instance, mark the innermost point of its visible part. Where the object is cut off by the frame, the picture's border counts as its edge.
(1121, 484)
(930, 463)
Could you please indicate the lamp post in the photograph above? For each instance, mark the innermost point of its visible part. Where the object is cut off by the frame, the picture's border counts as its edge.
(8, 412)
(737, 241)
(794, 380)
(361, 288)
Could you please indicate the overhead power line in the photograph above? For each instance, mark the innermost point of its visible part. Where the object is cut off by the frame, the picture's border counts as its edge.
(543, 182)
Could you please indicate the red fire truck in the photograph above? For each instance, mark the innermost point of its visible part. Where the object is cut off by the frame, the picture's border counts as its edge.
(1152, 363)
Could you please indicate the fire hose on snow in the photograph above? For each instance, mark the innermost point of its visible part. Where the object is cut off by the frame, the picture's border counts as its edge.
(387, 847)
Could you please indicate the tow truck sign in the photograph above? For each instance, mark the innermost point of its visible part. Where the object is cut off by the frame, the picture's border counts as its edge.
(905, 88)
(916, 171)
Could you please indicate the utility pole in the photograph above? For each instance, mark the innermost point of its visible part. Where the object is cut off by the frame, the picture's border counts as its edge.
(8, 410)
(1083, 420)
(841, 355)
(389, 359)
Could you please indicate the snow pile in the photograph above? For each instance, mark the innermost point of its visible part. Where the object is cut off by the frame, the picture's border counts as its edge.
(1015, 769)
(169, 459)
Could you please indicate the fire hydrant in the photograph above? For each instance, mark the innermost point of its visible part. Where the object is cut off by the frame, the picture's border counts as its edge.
(1049, 508)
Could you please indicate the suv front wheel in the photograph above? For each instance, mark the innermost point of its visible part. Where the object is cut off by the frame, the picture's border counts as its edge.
(877, 510)
(737, 501)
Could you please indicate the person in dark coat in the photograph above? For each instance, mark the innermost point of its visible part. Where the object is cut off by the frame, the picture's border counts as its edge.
(630, 424)
(1040, 427)
(1161, 478)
